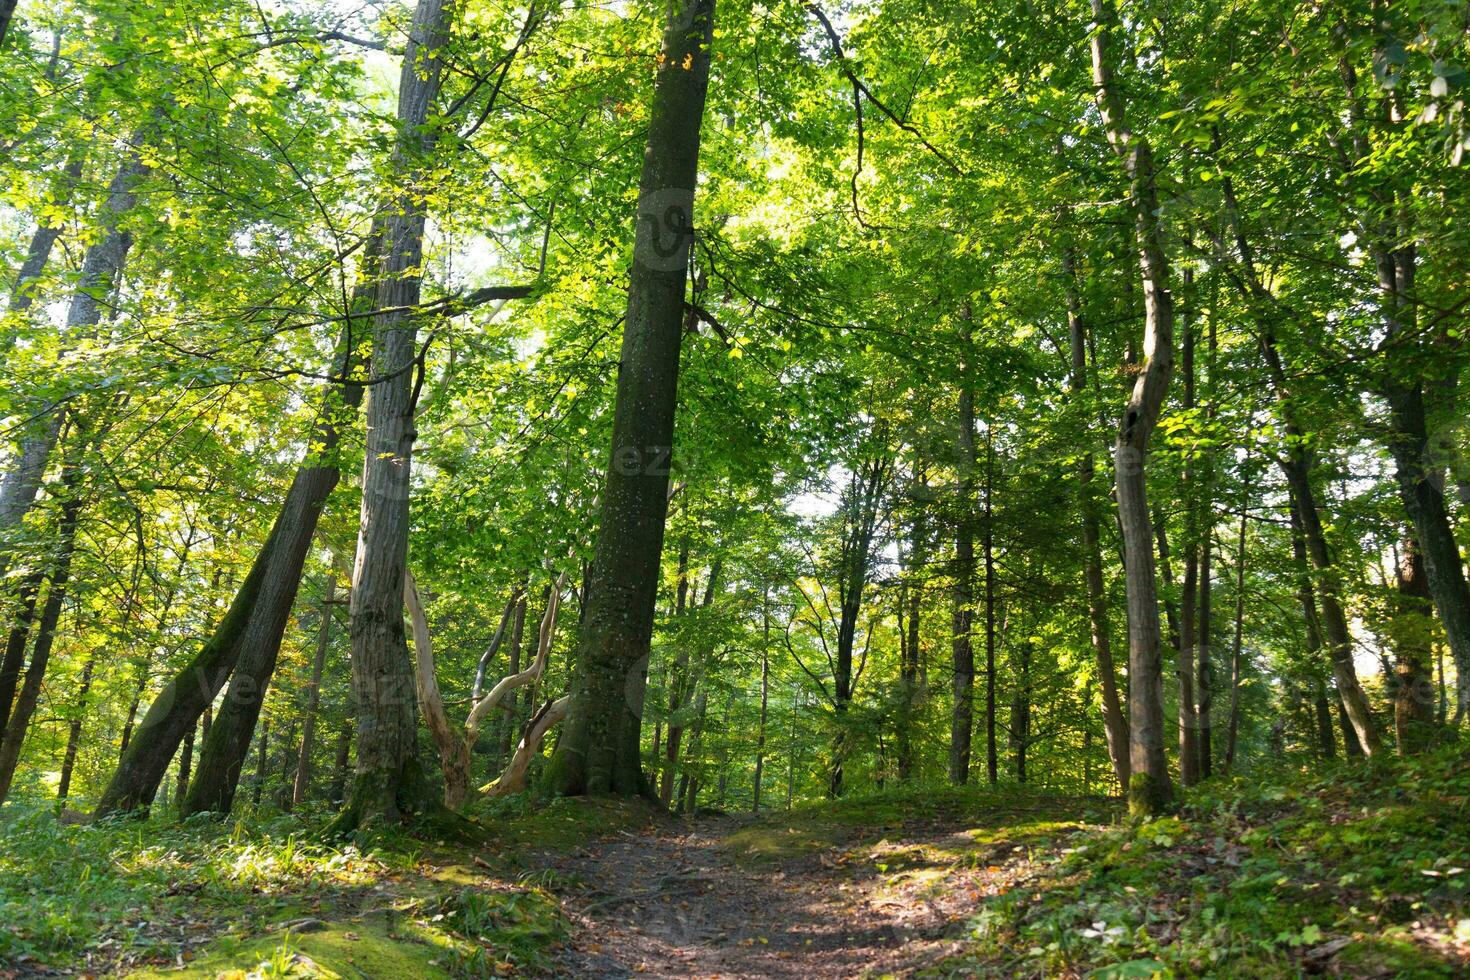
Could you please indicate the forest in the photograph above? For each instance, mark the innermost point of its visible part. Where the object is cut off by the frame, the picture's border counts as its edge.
(776, 488)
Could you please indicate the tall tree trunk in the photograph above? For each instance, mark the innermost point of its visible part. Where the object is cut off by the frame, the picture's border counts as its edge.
(1189, 594)
(389, 786)
(1389, 235)
(962, 719)
(1423, 498)
(1021, 709)
(1296, 466)
(30, 691)
(314, 692)
(1115, 723)
(74, 731)
(1149, 789)
(760, 738)
(17, 640)
(1237, 648)
(1413, 687)
(101, 268)
(991, 766)
(910, 613)
(599, 749)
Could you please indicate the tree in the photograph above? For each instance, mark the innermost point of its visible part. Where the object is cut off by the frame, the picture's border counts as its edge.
(599, 748)
(1149, 789)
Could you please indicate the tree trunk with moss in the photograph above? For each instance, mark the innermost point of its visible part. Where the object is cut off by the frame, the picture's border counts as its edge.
(1149, 788)
(599, 749)
(389, 786)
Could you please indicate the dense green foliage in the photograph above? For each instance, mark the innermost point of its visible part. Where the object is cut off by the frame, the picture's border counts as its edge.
(919, 293)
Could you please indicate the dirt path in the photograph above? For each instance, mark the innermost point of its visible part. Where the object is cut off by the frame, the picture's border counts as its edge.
(676, 901)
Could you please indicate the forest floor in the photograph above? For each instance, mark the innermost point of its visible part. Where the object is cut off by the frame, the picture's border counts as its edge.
(1357, 871)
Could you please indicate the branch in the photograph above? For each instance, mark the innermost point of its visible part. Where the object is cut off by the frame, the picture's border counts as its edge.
(859, 86)
(425, 680)
(488, 703)
(513, 778)
(495, 641)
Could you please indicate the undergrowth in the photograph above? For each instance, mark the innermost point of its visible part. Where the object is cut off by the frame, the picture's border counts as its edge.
(1356, 870)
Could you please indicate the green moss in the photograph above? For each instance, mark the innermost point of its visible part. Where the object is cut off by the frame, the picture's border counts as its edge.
(1392, 955)
(771, 845)
(520, 827)
(351, 951)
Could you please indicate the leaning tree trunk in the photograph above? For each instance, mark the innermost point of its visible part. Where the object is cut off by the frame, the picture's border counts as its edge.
(146, 754)
(1334, 618)
(1115, 723)
(213, 786)
(1423, 499)
(19, 637)
(1149, 788)
(101, 267)
(599, 750)
(19, 721)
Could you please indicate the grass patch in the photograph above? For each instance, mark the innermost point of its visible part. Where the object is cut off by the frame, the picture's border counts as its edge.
(221, 898)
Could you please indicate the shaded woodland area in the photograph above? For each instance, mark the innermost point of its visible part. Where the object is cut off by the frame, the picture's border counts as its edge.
(844, 424)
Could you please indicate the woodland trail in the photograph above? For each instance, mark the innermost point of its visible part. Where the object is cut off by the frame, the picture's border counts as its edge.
(685, 899)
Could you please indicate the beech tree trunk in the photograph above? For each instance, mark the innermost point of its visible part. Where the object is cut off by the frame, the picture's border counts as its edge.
(389, 785)
(74, 731)
(19, 721)
(17, 640)
(314, 693)
(598, 752)
(1296, 466)
(962, 717)
(101, 268)
(223, 754)
(1413, 625)
(1115, 723)
(1149, 789)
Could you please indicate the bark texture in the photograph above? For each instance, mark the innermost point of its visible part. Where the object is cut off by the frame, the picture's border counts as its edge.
(599, 749)
(1149, 787)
